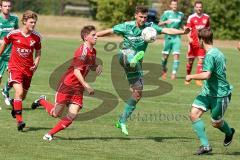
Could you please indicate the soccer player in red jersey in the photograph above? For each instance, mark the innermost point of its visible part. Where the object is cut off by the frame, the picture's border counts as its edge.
(196, 21)
(22, 65)
(72, 84)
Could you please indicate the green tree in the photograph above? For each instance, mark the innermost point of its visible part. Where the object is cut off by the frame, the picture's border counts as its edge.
(111, 12)
(225, 18)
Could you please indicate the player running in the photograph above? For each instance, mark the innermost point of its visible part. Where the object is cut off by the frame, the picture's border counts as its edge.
(215, 95)
(71, 86)
(8, 23)
(172, 43)
(21, 64)
(131, 56)
(196, 21)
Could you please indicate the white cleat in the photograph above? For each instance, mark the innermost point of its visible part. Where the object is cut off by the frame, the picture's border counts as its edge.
(6, 99)
(47, 137)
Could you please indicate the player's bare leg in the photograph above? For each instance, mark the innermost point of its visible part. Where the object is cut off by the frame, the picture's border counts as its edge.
(65, 121)
(189, 67)
(164, 66)
(17, 105)
(199, 70)
(175, 66)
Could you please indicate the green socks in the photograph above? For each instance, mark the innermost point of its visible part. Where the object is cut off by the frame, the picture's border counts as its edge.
(199, 128)
(225, 128)
(164, 64)
(129, 108)
(175, 66)
(7, 88)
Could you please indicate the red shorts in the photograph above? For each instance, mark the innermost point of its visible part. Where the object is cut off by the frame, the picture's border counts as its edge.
(16, 76)
(195, 51)
(69, 95)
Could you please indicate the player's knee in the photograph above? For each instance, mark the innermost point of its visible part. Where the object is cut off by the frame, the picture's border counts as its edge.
(217, 124)
(193, 116)
(55, 115)
(72, 116)
(137, 95)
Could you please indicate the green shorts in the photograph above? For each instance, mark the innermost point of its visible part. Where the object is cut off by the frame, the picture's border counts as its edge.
(216, 105)
(172, 44)
(134, 74)
(3, 66)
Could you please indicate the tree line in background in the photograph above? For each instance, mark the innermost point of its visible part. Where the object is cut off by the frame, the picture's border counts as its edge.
(224, 14)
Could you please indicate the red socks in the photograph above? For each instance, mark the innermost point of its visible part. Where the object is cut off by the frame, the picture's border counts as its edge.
(62, 124)
(47, 105)
(17, 106)
(189, 68)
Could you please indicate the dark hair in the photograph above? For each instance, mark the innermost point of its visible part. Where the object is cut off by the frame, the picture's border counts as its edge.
(86, 30)
(29, 14)
(198, 2)
(141, 9)
(5, 1)
(206, 35)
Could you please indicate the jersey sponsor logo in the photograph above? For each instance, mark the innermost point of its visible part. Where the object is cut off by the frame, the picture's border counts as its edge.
(198, 27)
(6, 29)
(24, 52)
(18, 41)
(175, 20)
(135, 38)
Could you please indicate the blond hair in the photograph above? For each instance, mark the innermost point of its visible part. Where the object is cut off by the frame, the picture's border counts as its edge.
(27, 15)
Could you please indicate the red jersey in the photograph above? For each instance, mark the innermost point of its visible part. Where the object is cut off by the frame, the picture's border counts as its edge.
(21, 57)
(196, 23)
(83, 59)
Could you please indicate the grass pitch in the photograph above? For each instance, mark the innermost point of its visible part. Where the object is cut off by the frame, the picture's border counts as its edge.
(159, 128)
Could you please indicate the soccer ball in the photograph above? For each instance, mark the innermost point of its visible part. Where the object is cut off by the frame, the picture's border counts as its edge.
(149, 34)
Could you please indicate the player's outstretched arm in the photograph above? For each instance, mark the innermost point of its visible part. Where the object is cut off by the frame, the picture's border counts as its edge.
(79, 76)
(105, 32)
(200, 76)
(2, 47)
(162, 23)
(174, 31)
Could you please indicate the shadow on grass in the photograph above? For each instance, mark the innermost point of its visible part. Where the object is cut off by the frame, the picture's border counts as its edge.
(233, 153)
(33, 129)
(156, 139)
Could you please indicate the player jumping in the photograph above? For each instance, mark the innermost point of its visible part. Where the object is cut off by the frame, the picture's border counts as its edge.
(131, 56)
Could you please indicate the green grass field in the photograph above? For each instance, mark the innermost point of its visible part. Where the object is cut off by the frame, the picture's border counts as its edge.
(168, 135)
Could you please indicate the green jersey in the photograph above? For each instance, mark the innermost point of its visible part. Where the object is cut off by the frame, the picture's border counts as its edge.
(216, 85)
(7, 25)
(132, 35)
(175, 17)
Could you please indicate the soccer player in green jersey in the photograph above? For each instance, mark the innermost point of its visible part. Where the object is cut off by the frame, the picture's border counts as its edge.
(215, 94)
(131, 56)
(172, 43)
(8, 22)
